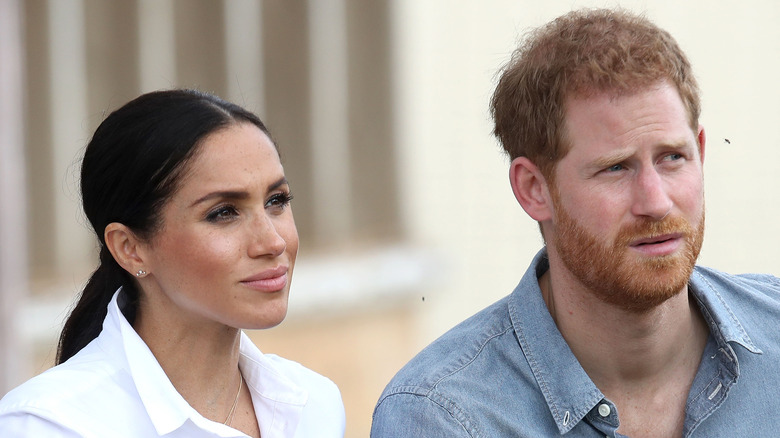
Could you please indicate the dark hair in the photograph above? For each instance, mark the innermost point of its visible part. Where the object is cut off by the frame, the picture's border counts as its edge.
(131, 168)
(579, 54)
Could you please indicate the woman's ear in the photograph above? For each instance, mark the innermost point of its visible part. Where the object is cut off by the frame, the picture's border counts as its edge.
(125, 247)
(530, 189)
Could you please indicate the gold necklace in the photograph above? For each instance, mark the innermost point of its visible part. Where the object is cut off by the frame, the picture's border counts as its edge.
(235, 402)
(551, 299)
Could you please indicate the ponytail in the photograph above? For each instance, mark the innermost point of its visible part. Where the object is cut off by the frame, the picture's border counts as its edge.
(85, 321)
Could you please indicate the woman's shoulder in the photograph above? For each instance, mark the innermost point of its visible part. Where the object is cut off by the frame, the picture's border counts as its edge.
(279, 378)
(301, 375)
(72, 389)
(284, 371)
(323, 408)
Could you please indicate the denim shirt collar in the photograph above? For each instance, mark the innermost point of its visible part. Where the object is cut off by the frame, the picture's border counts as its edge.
(567, 388)
(719, 316)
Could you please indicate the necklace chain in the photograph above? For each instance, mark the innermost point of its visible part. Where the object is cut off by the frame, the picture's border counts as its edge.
(551, 299)
(235, 402)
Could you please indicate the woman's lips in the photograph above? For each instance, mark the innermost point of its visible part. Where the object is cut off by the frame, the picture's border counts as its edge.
(271, 280)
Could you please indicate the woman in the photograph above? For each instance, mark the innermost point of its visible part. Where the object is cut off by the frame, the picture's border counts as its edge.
(189, 201)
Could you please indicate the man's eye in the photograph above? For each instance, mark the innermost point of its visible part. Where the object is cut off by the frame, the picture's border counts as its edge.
(615, 168)
(674, 157)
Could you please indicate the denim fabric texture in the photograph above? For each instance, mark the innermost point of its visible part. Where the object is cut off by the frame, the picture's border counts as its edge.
(508, 372)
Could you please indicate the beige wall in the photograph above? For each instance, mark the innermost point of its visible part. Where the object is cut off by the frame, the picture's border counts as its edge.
(455, 182)
(408, 222)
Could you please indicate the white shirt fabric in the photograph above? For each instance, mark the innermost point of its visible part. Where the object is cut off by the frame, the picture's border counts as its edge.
(114, 387)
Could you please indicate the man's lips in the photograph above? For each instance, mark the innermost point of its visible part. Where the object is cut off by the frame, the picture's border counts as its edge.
(657, 240)
(270, 280)
(658, 246)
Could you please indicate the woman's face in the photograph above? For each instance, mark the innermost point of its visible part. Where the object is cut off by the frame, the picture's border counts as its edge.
(226, 249)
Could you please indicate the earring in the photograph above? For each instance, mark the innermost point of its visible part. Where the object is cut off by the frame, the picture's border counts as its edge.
(140, 273)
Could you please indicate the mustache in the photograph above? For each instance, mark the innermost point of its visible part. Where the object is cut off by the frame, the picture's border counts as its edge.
(649, 229)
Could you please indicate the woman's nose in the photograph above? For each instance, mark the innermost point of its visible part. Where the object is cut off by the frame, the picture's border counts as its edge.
(266, 240)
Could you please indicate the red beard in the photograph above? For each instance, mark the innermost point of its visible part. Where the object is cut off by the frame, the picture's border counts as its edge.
(615, 276)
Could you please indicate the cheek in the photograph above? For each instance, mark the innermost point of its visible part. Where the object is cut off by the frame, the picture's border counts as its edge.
(289, 233)
(597, 213)
(201, 257)
(691, 199)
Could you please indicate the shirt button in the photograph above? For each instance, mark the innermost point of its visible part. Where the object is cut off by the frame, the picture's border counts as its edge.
(604, 410)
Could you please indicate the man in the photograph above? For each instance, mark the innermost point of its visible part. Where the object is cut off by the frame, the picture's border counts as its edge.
(613, 330)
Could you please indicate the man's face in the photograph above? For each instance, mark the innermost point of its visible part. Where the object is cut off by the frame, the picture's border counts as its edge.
(628, 197)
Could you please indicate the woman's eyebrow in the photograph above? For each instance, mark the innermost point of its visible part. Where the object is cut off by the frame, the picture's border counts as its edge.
(222, 194)
(278, 183)
(237, 194)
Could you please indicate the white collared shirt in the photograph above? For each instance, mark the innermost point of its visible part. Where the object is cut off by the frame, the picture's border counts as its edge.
(114, 387)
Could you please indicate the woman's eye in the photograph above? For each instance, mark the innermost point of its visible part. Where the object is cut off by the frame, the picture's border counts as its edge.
(279, 201)
(223, 213)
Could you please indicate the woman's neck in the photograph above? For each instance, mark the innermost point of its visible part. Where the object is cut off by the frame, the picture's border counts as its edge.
(200, 358)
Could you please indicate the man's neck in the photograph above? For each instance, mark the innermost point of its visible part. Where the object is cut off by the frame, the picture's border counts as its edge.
(638, 360)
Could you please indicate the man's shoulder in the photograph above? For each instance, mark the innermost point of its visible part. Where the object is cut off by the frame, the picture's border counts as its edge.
(483, 343)
(450, 354)
(456, 385)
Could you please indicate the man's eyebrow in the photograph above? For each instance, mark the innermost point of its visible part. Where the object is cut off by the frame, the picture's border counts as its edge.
(237, 194)
(616, 157)
(609, 159)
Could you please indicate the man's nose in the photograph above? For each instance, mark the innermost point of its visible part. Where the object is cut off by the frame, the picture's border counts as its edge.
(651, 195)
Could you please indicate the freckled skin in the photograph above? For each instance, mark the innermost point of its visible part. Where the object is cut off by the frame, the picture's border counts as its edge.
(199, 261)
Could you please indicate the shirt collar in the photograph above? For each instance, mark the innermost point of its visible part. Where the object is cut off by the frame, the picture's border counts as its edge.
(567, 388)
(717, 313)
(275, 397)
(569, 392)
(165, 407)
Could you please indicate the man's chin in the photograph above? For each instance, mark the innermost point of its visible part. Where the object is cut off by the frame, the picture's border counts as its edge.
(642, 287)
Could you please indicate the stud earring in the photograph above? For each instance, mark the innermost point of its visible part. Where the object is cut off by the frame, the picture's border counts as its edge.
(140, 273)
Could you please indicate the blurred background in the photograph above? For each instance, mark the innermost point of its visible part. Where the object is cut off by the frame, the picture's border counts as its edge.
(380, 108)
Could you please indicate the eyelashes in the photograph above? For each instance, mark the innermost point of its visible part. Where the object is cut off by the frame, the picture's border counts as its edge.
(276, 204)
(279, 200)
(222, 213)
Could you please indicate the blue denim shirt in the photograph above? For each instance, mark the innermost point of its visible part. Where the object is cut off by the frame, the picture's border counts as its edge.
(508, 372)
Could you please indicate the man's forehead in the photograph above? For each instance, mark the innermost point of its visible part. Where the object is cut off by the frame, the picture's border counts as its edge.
(606, 122)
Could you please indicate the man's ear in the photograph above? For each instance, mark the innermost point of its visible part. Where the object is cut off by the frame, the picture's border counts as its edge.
(530, 189)
(702, 139)
(125, 247)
